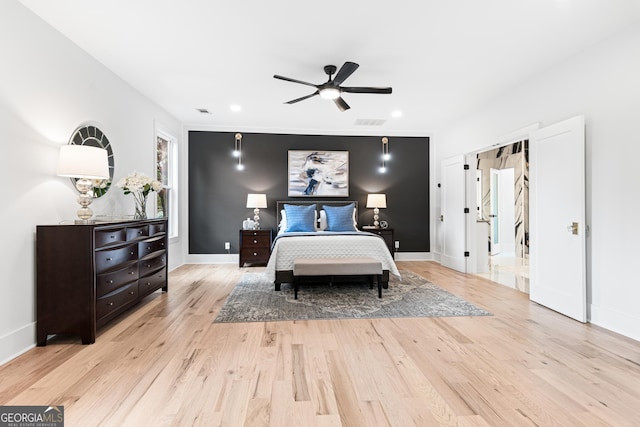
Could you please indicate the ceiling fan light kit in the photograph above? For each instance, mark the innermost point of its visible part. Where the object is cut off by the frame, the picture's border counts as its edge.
(331, 89)
(329, 93)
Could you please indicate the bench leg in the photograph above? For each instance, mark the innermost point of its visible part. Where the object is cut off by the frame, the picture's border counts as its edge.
(295, 288)
(379, 280)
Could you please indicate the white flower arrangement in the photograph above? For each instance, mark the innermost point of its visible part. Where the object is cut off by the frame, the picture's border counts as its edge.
(100, 186)
(140, 185)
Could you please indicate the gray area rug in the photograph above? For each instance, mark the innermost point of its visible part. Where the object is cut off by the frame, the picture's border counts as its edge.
(255, 300)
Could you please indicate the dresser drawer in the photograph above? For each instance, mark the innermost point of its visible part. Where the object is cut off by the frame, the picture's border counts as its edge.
(152, 245)
(108, 282)
(108, 259)
(256, 239)
(150, 283)
(157, 228)
(116, 299)
(110, 237)
(255, 255)
(134, 233)
(149, 265)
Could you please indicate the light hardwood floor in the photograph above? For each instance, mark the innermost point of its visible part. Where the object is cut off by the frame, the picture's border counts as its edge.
(166, 363)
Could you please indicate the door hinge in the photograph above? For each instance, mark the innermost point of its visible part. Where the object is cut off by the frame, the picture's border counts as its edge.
(466, 210)
(466, 253)
(466, 167)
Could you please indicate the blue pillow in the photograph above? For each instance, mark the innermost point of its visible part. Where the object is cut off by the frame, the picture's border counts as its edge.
(340, 218)
(300, 217)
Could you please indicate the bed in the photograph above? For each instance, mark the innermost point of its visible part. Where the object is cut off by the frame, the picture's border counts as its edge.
(322, 242)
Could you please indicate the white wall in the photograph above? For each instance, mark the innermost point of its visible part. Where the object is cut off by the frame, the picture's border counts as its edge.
(603, 83)
(48, 86)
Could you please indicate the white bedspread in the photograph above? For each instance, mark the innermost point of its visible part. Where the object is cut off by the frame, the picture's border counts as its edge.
(287, 249)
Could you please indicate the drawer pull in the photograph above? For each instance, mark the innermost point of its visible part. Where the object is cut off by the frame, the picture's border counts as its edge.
(109, 259)
(140, 232)
(148, 265)
(110, 304)
(132, 272)
(255, 241)
(131, 253)
(148, 284)
(112, 237)
(148, 248)
(131, 293)
(110, 281)
(255, 254)
(162, 244)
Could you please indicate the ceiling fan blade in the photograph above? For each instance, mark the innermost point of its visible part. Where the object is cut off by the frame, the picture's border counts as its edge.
(366, 89)
(293, 101)
(345, 71)
(342, 106)
(288, 79)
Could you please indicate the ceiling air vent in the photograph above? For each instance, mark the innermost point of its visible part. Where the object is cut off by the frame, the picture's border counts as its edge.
(369, 122)
(203, 110)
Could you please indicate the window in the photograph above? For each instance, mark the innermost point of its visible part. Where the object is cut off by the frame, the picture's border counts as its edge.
(167, 174)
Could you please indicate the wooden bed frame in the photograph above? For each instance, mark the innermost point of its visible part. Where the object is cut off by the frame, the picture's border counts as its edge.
(286, 276)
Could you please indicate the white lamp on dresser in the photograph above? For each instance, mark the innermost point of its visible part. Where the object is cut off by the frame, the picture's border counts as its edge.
(84, 163)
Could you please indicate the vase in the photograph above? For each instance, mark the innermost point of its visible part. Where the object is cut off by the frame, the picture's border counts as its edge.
(141, 208)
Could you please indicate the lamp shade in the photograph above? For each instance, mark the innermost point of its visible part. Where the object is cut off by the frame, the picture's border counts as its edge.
(257, 201)
(83, 161)
(376, 201)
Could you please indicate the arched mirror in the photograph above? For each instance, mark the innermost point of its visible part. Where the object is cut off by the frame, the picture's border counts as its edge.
(89, 134)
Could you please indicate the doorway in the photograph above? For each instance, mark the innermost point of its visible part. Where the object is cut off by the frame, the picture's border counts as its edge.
(503, 201)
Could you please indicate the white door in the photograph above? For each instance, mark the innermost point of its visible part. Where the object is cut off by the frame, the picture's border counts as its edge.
(452, 216)
(557, 218)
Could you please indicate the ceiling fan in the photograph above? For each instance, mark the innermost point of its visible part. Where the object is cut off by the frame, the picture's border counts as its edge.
(331, 89)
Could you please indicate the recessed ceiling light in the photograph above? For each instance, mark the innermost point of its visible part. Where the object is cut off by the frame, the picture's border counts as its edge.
(235, 107)
(396, 113)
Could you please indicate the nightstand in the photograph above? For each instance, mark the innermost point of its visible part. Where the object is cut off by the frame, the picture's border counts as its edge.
(255, 247)
(385, 233)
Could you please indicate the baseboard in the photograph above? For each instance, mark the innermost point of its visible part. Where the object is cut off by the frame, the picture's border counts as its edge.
(413, 256)
(621, 323)
(213, 259)
(17, 342)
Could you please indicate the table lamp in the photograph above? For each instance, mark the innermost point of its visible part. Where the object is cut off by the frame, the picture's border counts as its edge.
(376, 201)
(256, 201)
(84, 163)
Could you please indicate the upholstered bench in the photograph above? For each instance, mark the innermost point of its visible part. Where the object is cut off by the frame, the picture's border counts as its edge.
(331, 267)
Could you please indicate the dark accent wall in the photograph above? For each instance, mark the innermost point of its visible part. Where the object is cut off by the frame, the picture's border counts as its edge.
(218, 191)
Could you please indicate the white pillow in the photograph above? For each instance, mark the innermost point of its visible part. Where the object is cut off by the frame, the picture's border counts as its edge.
(322, 221)
(283, 220)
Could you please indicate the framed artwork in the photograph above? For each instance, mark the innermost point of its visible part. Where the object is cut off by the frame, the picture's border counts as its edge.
(315, 173)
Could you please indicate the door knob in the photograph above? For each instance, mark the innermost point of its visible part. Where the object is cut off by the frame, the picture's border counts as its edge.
(573, 228)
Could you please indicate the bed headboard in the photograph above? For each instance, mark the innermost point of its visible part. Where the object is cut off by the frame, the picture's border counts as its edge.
(319, 203)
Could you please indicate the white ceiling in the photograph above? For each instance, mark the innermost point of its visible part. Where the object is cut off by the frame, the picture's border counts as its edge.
(443, 58)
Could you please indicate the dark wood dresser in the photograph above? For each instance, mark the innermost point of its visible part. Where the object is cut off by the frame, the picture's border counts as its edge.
(89, 274)
(255, 247)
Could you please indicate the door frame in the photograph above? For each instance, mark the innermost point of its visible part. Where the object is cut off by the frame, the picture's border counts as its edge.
(471, 158)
